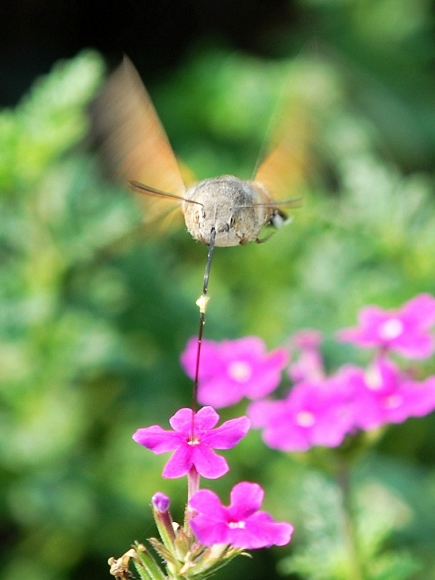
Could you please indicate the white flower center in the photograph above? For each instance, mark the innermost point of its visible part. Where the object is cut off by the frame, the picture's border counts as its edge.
(373, 378)
(240, 371)
(391, 329)
(393, 402)
(236, 525)
(305, 419)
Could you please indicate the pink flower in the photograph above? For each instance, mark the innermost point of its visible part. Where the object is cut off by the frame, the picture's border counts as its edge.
(233, 369)
(240, 524)
(314, 413)
(309, 363)
(405, 330)
(193, 441)
(383, 394)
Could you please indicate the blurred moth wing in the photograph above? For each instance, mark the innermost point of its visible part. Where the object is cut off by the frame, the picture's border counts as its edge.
(282, 168)
(134, 144)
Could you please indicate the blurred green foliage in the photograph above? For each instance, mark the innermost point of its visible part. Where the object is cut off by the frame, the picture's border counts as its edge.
(95, 310)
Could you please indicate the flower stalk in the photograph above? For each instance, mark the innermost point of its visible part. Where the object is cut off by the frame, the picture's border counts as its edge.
(350, 532)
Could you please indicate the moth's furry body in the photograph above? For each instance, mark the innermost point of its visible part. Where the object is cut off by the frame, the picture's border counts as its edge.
(236, 209)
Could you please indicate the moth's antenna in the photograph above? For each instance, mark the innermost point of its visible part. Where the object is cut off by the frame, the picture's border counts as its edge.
(153, 192)
(202, 304)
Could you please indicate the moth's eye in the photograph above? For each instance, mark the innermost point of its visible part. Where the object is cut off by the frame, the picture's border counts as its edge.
(278, 219)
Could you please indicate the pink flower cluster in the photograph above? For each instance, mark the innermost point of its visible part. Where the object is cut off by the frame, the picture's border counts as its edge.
(193, 440)
(320, 409)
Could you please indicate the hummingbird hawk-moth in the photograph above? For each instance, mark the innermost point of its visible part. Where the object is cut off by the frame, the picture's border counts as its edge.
(137, 149)
(221, 211)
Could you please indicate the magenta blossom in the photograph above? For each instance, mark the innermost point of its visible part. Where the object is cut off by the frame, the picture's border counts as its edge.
(405, 330)
(233, 369)
(194, 449)
(239, 525)
(384, 394)
(308, 365)
(314, 413)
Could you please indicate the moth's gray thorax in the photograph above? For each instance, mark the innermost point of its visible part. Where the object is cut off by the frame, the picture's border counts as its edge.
(236, 209)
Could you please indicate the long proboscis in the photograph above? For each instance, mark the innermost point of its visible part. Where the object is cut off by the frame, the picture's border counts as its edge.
(202, 322)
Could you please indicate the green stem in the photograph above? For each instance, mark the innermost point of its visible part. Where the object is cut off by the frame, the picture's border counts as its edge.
(146, 565)
(350, 536)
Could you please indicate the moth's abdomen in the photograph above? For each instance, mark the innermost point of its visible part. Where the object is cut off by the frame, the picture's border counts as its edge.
(236, 209)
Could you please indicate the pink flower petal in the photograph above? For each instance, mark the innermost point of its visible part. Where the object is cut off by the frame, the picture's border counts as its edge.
(179, 464)
(217, 391)
(262, 532)
(156, 439)
(228, 434)
(414, 346)
(206, 418)
(209, 531)
(208, 464)
(207, 503)
(246, 498)
(420, 310)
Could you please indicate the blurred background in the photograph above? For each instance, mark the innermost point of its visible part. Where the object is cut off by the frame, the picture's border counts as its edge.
(95, 309)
